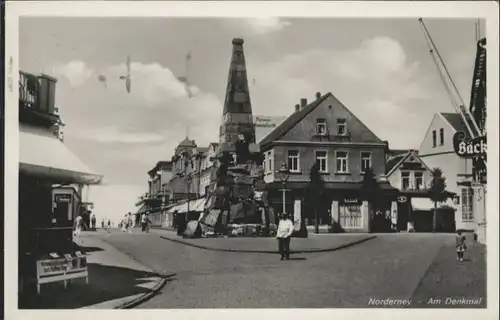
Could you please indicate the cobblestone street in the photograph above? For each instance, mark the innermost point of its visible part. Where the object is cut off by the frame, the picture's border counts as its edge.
(392, 266)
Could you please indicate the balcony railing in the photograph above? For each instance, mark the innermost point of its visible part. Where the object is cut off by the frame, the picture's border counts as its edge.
(28, 90)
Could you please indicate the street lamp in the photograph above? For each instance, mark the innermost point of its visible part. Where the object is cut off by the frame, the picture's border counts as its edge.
(285, 174)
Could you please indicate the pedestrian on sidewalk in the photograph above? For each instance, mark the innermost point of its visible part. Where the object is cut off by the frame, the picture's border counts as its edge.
(78, 226)
(93, 221)
(144, 222)
(283, 234)
(109, 224)
(129, 223)
(460, 245)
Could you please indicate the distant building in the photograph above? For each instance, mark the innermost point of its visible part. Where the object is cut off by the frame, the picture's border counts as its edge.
(324, 132)
(437, 151)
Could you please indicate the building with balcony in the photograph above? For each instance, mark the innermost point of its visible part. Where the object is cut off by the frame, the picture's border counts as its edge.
(327, 133)
(46, 166)
(437, 151)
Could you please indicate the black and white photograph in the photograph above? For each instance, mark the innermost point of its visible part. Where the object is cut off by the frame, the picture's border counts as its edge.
(185, 160)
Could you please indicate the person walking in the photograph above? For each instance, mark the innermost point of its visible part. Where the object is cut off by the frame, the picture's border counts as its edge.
(283, 234)
(460, 245)
(78, 226)
(93, 221)
(129, 223)
(144, 222)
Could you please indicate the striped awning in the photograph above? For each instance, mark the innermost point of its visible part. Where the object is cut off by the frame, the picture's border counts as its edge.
(426, 204)
(43, 155)
(194, 205)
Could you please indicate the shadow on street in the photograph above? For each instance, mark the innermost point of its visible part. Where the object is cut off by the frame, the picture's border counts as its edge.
(105, 283)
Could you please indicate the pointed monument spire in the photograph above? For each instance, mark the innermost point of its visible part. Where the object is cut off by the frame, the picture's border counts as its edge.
(237, 120)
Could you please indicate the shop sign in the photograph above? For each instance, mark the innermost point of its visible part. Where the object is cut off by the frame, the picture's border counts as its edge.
(469, 148)
(52, 267)
(351, 201)
(62, 198)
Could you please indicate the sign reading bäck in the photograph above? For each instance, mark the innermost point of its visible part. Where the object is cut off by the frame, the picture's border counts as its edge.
(469, 148)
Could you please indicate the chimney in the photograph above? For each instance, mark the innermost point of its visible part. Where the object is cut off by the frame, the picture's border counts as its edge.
(318, 95)
(303, 102)
(297, 107)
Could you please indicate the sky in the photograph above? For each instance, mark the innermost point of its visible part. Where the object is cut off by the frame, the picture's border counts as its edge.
(380, 69)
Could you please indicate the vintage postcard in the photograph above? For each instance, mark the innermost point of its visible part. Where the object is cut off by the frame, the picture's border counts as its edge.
(320, 158)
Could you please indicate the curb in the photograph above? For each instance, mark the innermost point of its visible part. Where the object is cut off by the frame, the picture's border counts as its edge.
(343, 246)
(145, 297)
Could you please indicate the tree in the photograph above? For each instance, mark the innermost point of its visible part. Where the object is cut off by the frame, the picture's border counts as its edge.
(316, 189)
(437, 192)
(371, 190)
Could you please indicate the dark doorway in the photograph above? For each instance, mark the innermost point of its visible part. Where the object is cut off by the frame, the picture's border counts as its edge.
(403, 215)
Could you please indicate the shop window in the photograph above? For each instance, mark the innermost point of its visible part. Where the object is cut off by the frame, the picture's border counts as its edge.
(293, 161)
(467, 198)
(350, 216)
(322, 160)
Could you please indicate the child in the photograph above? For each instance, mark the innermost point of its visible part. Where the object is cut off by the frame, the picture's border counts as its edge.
(460, 245)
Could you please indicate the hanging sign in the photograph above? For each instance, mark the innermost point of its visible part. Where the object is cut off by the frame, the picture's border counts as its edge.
(469, 148)
(402, 199)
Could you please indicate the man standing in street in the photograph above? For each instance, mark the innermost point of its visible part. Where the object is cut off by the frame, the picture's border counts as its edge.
(283, 234)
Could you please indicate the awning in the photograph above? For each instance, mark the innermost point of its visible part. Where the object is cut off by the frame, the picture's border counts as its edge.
(194, 205)
(426, 204)
(43, 155)
(422, 204)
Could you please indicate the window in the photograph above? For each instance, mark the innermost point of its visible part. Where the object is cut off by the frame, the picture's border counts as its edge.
(293, 161)
(434, 143)
(269, 162)
(321, 127)
(264, 167)
(405, 180)
(467, 198)
(441, 136)
(322, 160)
(341, 127)
(419, 181)
(366, 161)
(341, 161)
(350, 216)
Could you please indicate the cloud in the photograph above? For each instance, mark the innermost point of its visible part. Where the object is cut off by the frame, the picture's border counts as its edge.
(76, 72)
(113, 134)
(267, 25)
(374, 79)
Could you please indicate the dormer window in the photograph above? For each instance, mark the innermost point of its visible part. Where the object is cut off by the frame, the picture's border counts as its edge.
(321, 127)
(341, 127)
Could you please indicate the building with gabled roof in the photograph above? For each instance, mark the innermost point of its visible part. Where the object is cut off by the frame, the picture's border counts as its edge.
(328, 133)
(437, 151)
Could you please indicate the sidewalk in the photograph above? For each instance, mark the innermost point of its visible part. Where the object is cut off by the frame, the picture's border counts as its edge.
(448, 279)
(314, 243)
(116, 281)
